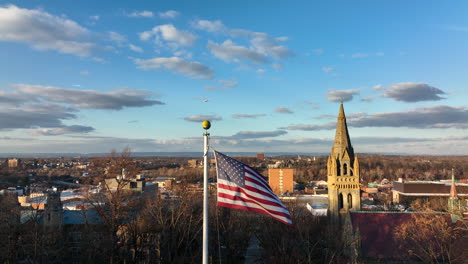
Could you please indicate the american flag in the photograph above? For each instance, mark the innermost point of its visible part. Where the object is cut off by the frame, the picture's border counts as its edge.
(241, 187)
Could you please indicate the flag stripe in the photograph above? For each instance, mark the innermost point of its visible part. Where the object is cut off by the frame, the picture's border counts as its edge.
(286, 220)
(232, 187)
(237, 198)
(241, 187)
(258, 176)
(255, 180)
(232, 191)
(254, 192)
(259, 189)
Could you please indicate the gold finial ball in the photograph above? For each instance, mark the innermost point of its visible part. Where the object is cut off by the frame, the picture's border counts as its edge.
(206, 124)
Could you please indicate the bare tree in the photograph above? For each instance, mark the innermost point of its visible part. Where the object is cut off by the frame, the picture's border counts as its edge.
(432, 238)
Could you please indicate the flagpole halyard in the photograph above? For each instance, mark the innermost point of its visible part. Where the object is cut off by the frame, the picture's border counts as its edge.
(206, 125)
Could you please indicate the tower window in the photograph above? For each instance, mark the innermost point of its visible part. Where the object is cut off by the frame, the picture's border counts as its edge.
(340, 201)
(345, 169)
(350, 201)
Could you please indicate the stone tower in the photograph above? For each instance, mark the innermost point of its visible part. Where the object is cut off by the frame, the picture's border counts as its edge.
(53, 211)
(343, 174)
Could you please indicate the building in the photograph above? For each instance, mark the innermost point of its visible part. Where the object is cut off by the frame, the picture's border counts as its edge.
(281, 180)
(260, 156)
(137, 184)
(165, 181)
(53, 211)
(408, 191)
(343, 174)
(193, 163)
(13, 163)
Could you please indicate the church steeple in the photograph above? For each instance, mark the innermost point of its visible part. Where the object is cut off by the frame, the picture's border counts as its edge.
(343, 174)
(342, 141)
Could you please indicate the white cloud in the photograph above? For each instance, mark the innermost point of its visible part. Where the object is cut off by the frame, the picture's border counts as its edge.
(230, 52)
(169, 14)
(75, 129)
(281, 39)
(313, 105)
(117, 38)
(92, 99)
(42, 110)
(258, 134)
(144, 13)
(84, 72)
(261, 71)
(170, 34)
(327, 69)
(318, 51)
(238, 116)
(210, 26)
(261, 47)
(439, 116)
(367, 99)
(213, 88)
(265, 44)
(184, 54)
(44, 31)
(35, 115)
(99, 59)
(359, 55)
(200, 118)
(283, 110)
(378, 87)
(277, 66)
(176, 64)
(341, 95)
(413, 92)
(228, 83)
(135, 48)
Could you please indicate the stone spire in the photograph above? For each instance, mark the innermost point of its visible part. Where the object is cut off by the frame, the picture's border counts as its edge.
(454, 205)
(342, 141)
(453, 189)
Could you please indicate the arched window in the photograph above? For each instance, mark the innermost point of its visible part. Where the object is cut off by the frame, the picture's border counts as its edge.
(350, 200)
(345, 169)
(340, 201)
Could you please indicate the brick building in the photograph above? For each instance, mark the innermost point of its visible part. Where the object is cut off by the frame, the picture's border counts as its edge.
(281, 180)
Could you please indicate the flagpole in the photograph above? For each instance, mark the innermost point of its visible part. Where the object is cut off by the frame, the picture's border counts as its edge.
(206, 125)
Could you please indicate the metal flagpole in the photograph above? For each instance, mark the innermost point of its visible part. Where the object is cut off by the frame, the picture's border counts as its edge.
(206, 125)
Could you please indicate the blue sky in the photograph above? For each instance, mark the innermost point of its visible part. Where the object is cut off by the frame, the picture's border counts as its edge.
(92, 76)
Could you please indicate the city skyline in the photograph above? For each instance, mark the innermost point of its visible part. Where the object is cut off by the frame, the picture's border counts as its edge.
(92, 77)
